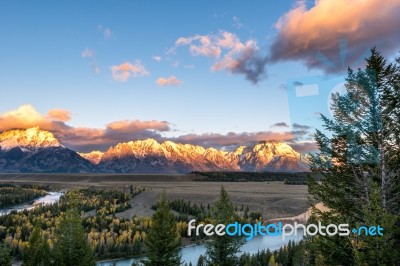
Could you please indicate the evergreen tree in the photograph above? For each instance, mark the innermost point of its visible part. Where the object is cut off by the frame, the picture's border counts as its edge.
(222, 250)
(71, 247)
(359, 162)
(163, 241)
(201, 261)
(5, 254)
(37, 251)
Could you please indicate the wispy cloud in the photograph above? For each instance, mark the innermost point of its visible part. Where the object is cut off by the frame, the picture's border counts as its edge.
(107, 33)
(230, 53)
(157, 58)
(96, 68)
(88, 53)
(297, 126)
(280, 124)
(237, 23)
(243, 138)
(303, 31)
(128, 70)
(168, 81)
(200, 45)
(59, 115)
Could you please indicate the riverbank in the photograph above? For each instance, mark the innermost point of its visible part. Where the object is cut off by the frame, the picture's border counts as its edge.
(192, 253)
(50, 198)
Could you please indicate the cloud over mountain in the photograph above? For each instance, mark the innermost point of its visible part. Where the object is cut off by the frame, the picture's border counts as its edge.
(85, 139)
(82, 138)
(244, 138)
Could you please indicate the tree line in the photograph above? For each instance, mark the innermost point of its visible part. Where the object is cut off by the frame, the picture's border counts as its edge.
(16, 195)
(288, 178)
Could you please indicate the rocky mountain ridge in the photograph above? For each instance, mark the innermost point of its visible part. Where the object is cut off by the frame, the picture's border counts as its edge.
(150, 156)
(36, 150)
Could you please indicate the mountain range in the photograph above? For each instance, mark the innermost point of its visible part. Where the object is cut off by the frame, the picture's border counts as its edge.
(36, 150)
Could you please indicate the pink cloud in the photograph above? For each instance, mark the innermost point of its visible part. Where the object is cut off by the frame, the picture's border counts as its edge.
(59, 115)
(200, 45)
(302, 32)
(127, 70)
(82, 139)
(169, 81)
(237, 57)
(136, 125)
(233, 138)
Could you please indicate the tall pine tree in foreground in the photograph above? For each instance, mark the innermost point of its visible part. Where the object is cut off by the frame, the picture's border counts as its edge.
(71, 247)
(5, 254)
(222, 250)
(37, 252)
(360, 164)
(163, 241)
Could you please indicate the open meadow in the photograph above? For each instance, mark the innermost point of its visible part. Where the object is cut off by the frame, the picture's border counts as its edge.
(272, 199)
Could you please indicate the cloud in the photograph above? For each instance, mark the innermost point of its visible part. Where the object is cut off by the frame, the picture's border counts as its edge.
(87, 53)
(82, 139)
(95, 68)
(127, 70)
(237, 23)
(169, 81)
(24, 117)
(59, 115)
(230, 53)
(280, 124)
(200, 45)
(300, 127)
(305, 147)
(305, 32)
(127, 126)
(243, 138)
(107, 33)
(157, 58)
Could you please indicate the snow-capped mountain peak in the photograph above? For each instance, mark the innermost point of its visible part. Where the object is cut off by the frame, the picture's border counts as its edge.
(30, 139)
(151, 156)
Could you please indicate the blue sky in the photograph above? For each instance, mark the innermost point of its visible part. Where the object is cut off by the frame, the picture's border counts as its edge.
(60, 56)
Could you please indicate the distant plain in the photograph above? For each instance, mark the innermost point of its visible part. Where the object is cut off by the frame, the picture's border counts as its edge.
(272, 199)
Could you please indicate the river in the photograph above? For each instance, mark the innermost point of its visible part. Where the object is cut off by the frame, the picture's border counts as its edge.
(192, 253)
(50, 198)
(189, 253)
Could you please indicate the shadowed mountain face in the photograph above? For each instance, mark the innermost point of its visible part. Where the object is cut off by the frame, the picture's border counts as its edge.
(35, 150)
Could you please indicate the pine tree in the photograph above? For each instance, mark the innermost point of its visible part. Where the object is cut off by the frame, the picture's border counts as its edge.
(37, 252)
(375, 250)
(222, 250)
(163, 241)
(201, 261)
(71, 247)
(5, 254)
(359, 161)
